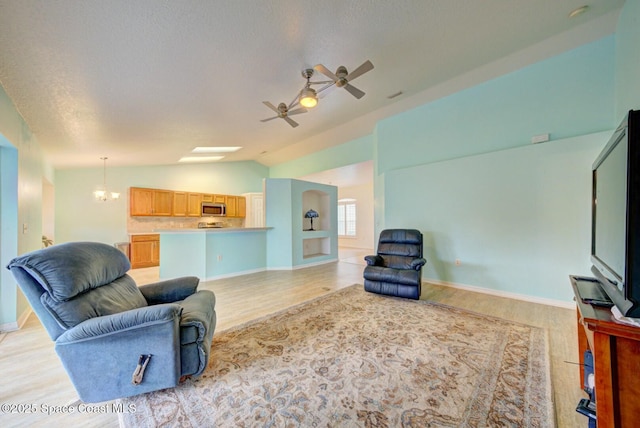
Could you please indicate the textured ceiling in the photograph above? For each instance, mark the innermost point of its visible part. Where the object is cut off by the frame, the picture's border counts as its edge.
(145, 81)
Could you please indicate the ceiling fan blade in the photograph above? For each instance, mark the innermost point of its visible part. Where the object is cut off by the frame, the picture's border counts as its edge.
(327, 86)
(268, 119)
(291, 122)
(297, 111)
(354, 91)
(366, 66)
(324, 70)
(271, 106)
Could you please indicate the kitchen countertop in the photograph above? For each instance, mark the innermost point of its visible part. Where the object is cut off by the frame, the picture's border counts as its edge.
(213, 229)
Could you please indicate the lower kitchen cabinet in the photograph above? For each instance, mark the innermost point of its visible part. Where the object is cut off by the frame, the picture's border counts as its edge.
(145, 251)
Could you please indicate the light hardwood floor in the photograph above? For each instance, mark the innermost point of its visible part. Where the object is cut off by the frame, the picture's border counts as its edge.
(31, 373)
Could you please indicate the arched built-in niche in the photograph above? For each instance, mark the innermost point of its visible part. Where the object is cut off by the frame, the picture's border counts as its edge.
(316, 241)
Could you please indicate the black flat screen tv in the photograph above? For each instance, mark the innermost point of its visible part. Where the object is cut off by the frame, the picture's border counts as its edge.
(615, 217)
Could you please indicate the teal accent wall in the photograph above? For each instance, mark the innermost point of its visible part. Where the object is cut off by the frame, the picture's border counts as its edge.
(8, 231)
(567, 95)
(518, 219)
(628, 59)
(352, 152)
(516, 215)
(80, 217)
(22, 170)
(278, 208)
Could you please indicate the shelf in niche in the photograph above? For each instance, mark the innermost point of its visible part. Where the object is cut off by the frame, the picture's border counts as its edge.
(310, 256)
(314, 233)
(316, 247)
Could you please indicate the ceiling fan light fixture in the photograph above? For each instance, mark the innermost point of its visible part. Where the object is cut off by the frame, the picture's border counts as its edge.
(308, 98)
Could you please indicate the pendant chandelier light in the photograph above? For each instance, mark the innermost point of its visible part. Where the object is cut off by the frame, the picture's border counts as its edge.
(102, 194)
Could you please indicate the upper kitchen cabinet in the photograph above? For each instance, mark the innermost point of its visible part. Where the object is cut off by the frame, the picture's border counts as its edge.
(232, 208)
(179, 204)
(187, 204)
(194, 202)
(241, 207)
(150, 202)
(236, 206)
(157, 202)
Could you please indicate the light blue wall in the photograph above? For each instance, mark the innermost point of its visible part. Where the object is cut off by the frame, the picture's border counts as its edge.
(567, 95)
(22, 170)
(212, 254)
(278, 209)
(8, 231)
(80, 217)
(628, 59)
(517, 215)
(517, 219)
(352, 152)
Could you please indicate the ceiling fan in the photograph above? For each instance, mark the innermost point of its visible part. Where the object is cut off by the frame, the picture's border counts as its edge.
(283, 113)
(307, 97)
(342, 77)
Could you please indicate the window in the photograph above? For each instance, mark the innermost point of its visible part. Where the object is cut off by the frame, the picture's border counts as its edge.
(347, 217)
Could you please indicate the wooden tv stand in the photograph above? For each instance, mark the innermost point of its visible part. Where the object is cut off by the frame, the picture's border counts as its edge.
(616, 357)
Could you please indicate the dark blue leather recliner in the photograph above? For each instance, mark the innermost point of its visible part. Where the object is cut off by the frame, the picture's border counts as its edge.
(397, 268)
(116, 339)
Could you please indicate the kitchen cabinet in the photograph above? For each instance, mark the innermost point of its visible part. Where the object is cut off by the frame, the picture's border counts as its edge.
(194, 202)
(219, 199)
(150, 202)
(241, 207)
(236, 206)
(145, 250)
(179, 204)
(187, 204)
(231, 202)
(158, 202)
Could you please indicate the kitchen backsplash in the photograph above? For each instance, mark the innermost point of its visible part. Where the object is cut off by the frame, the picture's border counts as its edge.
(149, 224)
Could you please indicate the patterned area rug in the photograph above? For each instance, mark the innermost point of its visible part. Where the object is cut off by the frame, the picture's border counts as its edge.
(352, 358)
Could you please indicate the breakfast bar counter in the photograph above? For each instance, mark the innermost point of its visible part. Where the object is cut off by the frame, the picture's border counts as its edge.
(212, 253)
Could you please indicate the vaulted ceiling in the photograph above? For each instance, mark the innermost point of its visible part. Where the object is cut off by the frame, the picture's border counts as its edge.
(145, 81)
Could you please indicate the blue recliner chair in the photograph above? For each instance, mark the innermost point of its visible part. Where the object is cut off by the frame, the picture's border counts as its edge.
(396, 269)
(116, 339)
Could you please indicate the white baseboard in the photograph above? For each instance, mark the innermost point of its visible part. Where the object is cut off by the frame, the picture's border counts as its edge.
(231, 275)
(500, 293)
(323, 262)
(16, 325)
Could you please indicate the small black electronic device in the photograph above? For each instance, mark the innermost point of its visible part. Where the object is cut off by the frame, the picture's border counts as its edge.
(587, 408)
(591, 291)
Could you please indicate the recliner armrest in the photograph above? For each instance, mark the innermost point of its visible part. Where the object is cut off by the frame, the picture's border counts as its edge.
(418, 263)
(373, 260)
(171, 290)
(108, 325)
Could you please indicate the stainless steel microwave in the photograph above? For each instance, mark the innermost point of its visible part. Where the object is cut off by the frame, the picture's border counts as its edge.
(211, 209)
